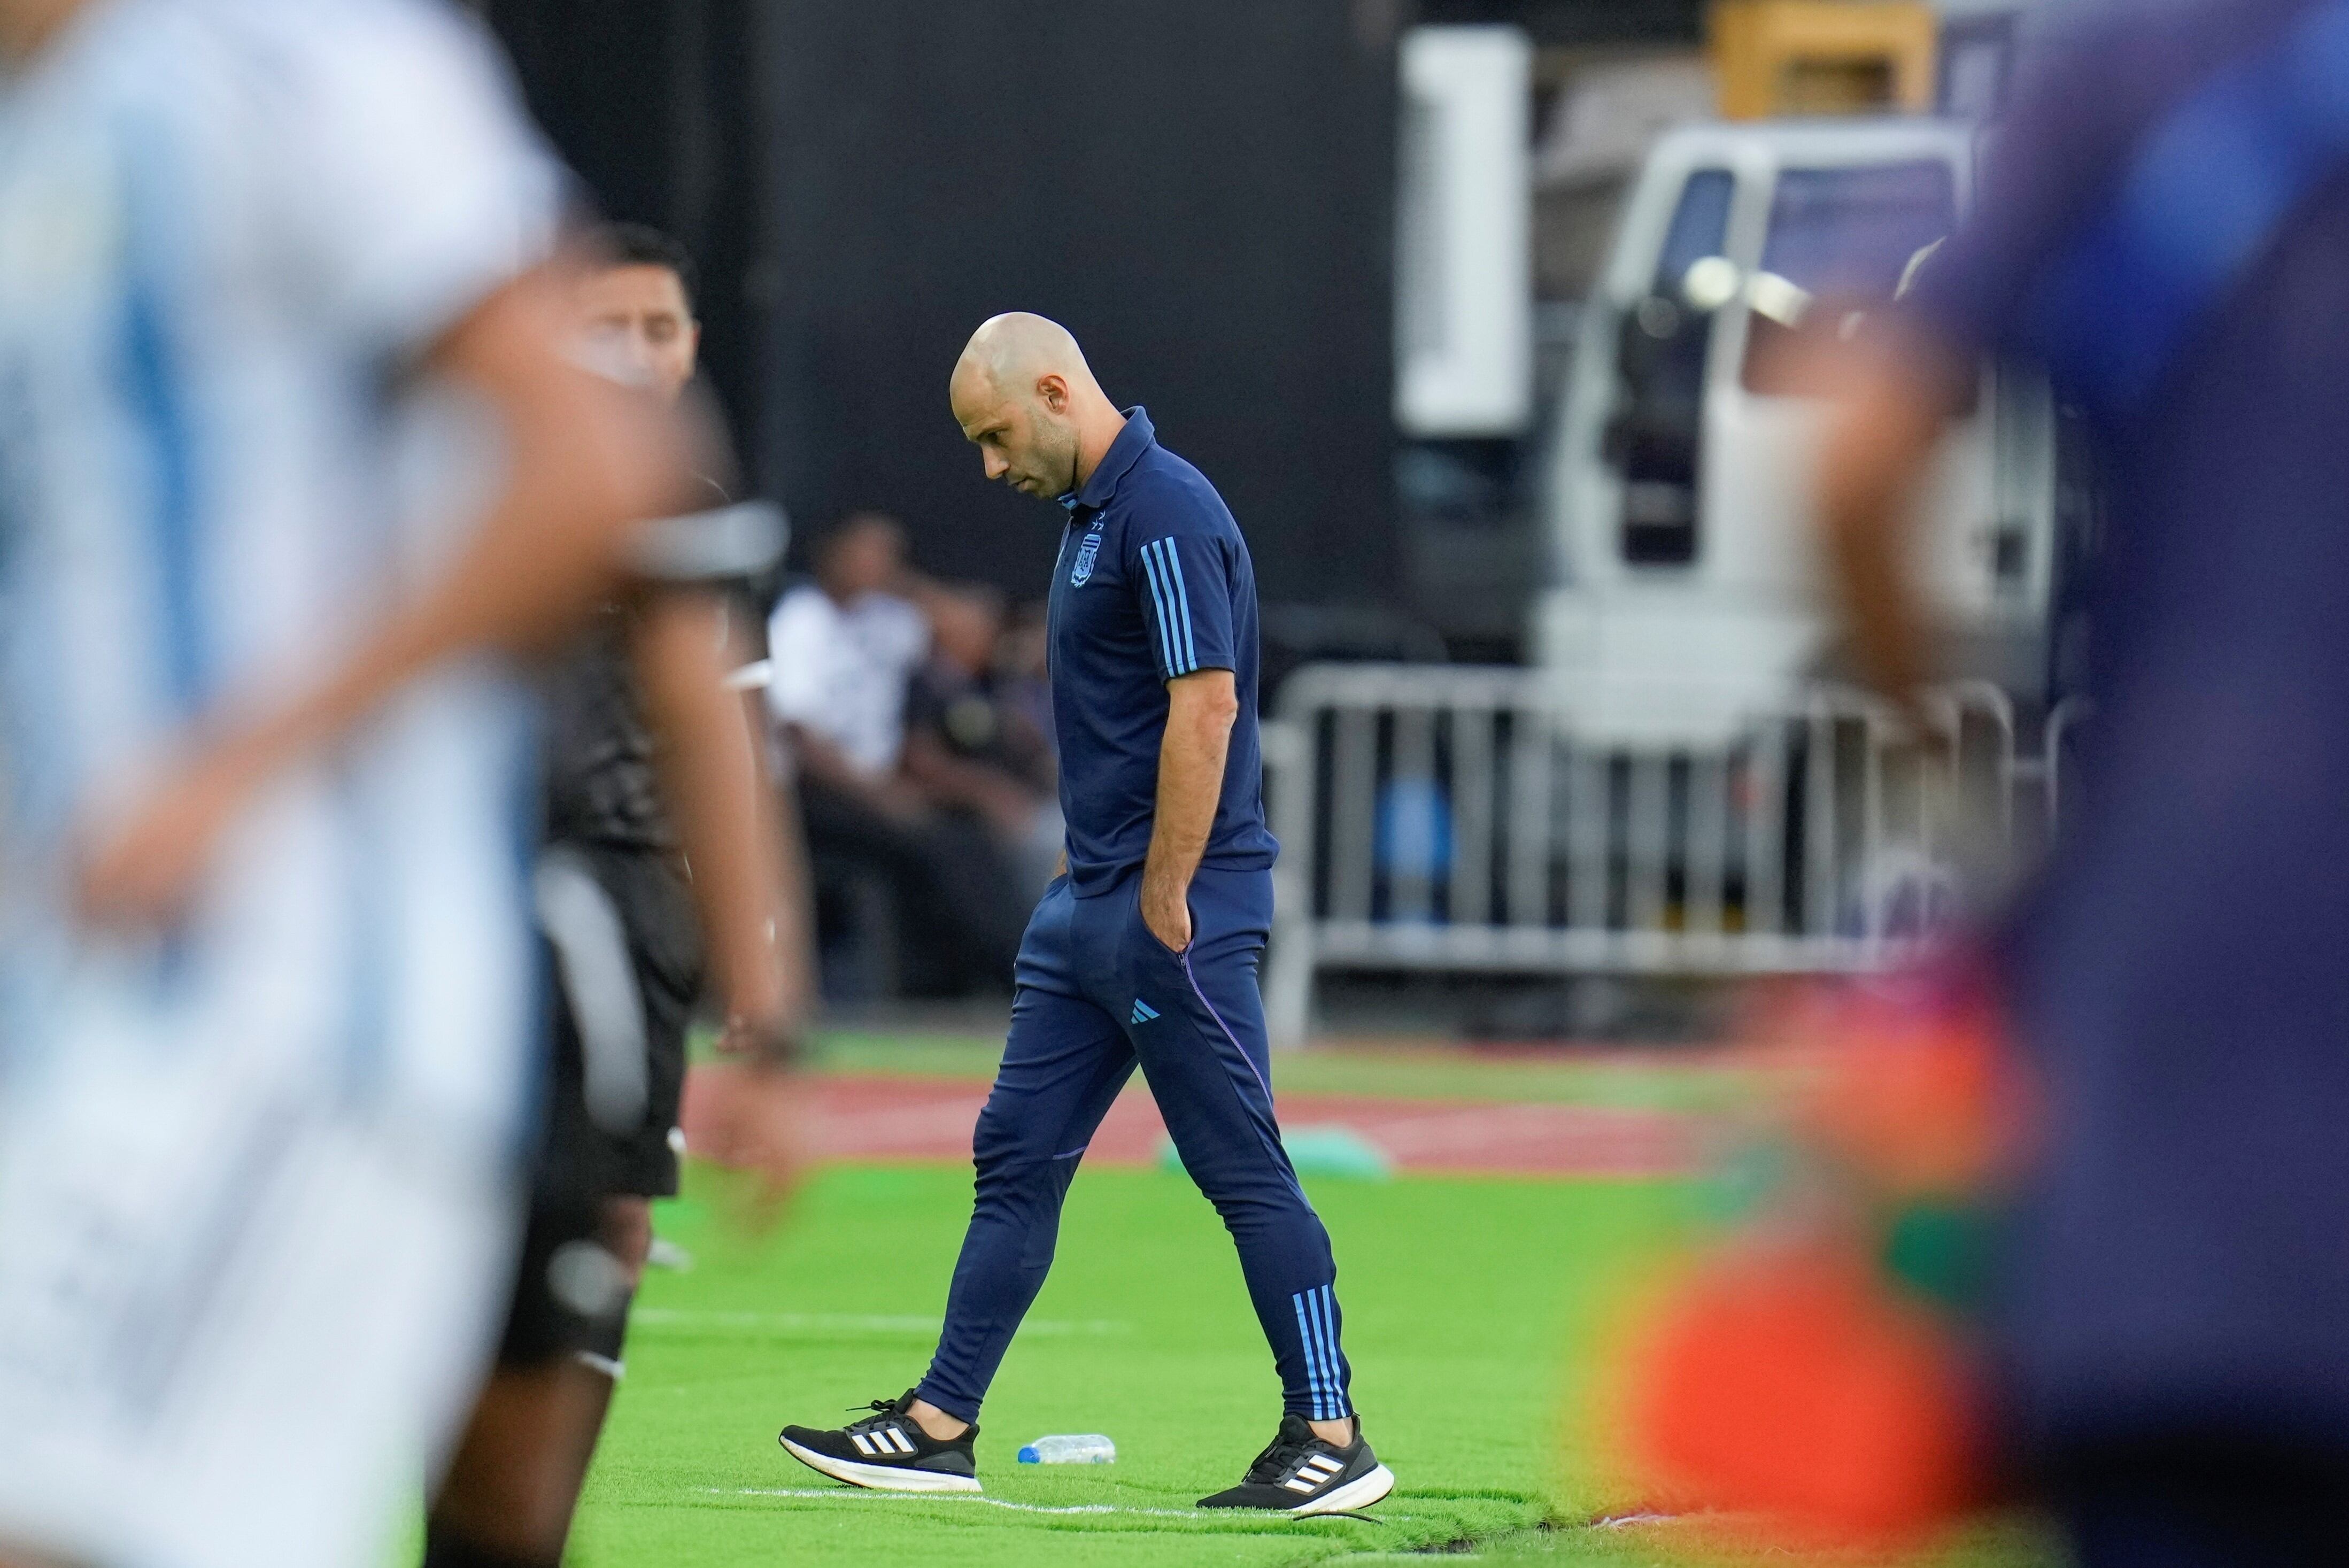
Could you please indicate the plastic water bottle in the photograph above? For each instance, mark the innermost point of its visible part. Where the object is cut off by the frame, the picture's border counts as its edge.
(1091, 1448)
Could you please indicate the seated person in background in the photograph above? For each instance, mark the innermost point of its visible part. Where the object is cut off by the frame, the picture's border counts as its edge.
(844, 648)
(971, 746)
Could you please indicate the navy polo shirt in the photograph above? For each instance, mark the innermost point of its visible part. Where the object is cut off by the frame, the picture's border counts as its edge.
(1154, 581)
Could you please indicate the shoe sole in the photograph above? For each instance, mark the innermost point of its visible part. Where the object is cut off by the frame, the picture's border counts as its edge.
(890, 1478)
(1360, 1492)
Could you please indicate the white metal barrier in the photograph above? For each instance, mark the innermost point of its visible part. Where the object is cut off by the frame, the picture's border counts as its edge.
(1470, 819)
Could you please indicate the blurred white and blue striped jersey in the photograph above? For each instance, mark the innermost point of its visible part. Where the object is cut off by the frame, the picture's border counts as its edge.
(226, 229)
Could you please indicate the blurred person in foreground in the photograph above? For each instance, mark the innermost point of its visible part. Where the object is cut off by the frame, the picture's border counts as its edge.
(265, 975)
(845, 649)
(2166, 228)
(1145, 951)
(642, 731)
(972, 743)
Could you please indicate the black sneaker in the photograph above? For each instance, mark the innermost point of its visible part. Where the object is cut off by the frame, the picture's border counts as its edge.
(887, 1451)
(1301, 1474)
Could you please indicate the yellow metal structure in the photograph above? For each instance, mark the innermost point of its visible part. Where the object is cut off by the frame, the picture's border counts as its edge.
(1823, 57)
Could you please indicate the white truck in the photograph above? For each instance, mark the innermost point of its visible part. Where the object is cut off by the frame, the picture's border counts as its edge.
(1688, 592)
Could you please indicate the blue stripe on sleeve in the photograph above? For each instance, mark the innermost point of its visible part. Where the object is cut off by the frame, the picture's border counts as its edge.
(155, 396)
(1159, 596)
(1150, 575)
(1183, 601)
(1163, 593)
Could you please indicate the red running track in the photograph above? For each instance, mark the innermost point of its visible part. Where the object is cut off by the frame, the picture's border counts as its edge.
(879, 1117)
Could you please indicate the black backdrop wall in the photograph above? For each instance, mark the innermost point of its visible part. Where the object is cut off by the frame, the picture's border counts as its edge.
(1202, 192)
(660, 106)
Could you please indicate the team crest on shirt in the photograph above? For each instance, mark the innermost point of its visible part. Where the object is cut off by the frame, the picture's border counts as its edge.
(1082, 571)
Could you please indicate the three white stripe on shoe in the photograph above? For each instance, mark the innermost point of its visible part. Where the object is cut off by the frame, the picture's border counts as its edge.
(1318, 1471)
(883, 1443)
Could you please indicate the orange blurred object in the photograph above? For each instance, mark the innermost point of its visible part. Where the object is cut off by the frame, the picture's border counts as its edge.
(1817, 1367)
(1788, 1380)
(1906, 1082)
(1922, 1099)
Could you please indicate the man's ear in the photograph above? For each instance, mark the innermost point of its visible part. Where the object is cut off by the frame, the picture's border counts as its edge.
(1053, 391)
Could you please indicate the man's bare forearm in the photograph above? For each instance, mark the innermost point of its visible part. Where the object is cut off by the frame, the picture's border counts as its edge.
(1895, 396)
(1190, 782)
(586, 460)
(822, 760)
(1200, 710)
(954, 781)
(725, 813)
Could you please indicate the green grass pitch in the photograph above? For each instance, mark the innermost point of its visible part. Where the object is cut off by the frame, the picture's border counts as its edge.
(1471, 1312)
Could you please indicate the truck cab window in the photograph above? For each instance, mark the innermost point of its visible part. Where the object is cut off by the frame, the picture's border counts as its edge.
(1842, 236)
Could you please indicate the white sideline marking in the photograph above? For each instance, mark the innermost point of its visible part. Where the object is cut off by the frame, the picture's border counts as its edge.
(845, 1494)
(1625, 1520)
(852, 1323)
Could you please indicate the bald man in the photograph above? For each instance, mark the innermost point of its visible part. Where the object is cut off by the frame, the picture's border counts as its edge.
(1145, 950)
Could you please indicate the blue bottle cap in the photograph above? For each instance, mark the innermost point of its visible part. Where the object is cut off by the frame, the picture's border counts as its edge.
(1029, 1456)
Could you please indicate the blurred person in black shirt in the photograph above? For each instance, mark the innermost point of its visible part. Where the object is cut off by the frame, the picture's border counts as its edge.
(639, 720)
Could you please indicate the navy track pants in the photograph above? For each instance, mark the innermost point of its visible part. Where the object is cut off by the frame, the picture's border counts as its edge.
(1097, 993)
